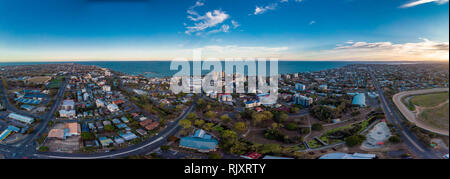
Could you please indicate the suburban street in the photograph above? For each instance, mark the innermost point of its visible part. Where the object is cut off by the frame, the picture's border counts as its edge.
(26, 147)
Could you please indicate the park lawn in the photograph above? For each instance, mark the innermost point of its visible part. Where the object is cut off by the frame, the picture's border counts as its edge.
(429, 100)
(436, 117)
(364, 124)
(314, 144)
(55, 83)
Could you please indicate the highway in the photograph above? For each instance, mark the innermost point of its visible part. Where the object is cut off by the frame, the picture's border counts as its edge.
(408, 137)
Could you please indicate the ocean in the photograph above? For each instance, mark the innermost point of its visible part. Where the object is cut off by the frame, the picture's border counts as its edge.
(162, 68)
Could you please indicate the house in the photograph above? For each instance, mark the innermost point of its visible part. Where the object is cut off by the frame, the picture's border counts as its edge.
(105, 141)
(113, 108)
(127, 136)
(124, 119)
(99, 103)
(141, 132)
(106, 88)
(323, 87)
(152, 126)
(200, 141)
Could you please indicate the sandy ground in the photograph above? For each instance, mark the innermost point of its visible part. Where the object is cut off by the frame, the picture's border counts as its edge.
(411, 116)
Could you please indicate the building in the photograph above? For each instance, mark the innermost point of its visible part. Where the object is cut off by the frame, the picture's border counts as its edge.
(323, 87)
(105, 141)
(113, 108)
(200, 141)
(74, 129)
(360, 100)
(252, 103)
(300, 87)
(99, 103)
(106, 88)
(18, 117)
(67, 113)
(8, 131)
(252, 155)
(68, 105)
(348, 156)
(127, 136)
(225, 98)
(85, 96)
(303, 100)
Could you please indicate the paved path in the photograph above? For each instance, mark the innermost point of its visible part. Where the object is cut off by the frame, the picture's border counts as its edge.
(411, 116)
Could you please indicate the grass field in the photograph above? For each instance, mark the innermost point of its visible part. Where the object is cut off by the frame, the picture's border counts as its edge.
(437, 117)
(39, 79)
(55, 83)
(429, 100)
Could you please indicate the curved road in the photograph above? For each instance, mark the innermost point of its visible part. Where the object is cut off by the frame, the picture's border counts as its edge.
(410, 116)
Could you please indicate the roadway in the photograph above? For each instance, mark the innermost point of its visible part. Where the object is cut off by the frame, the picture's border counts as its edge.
(408, 137)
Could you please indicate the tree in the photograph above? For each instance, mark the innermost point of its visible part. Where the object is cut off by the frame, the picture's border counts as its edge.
(87, 136)
(109, 128)
(44, 149)
(291, 126)
(295, 110)
(395, 139)
(214, 156)
(225, 118)
(165, 148)
(199, 123)
(355, 140)
(192, 116)
(210, 114)
(317, 127)
(240, 126)
(270, 148)
(185, 124)
(281, 117)
(208, 126)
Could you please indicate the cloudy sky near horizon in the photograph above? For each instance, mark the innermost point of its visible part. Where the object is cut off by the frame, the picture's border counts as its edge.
(359, 30)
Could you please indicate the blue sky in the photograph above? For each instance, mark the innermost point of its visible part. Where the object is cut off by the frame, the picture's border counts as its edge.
(55, 30)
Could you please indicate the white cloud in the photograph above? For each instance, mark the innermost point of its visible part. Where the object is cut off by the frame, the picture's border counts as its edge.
(312, 22)
(424, 50)
(202, 24)
(224, 28)
(210, 19)
(419, 2)
(235, 24)
(263, 9)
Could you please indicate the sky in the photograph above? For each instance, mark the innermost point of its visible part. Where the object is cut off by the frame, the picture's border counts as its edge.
(313, 30)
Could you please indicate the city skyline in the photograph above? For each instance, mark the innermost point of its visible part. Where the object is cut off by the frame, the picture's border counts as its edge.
(304, 30)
